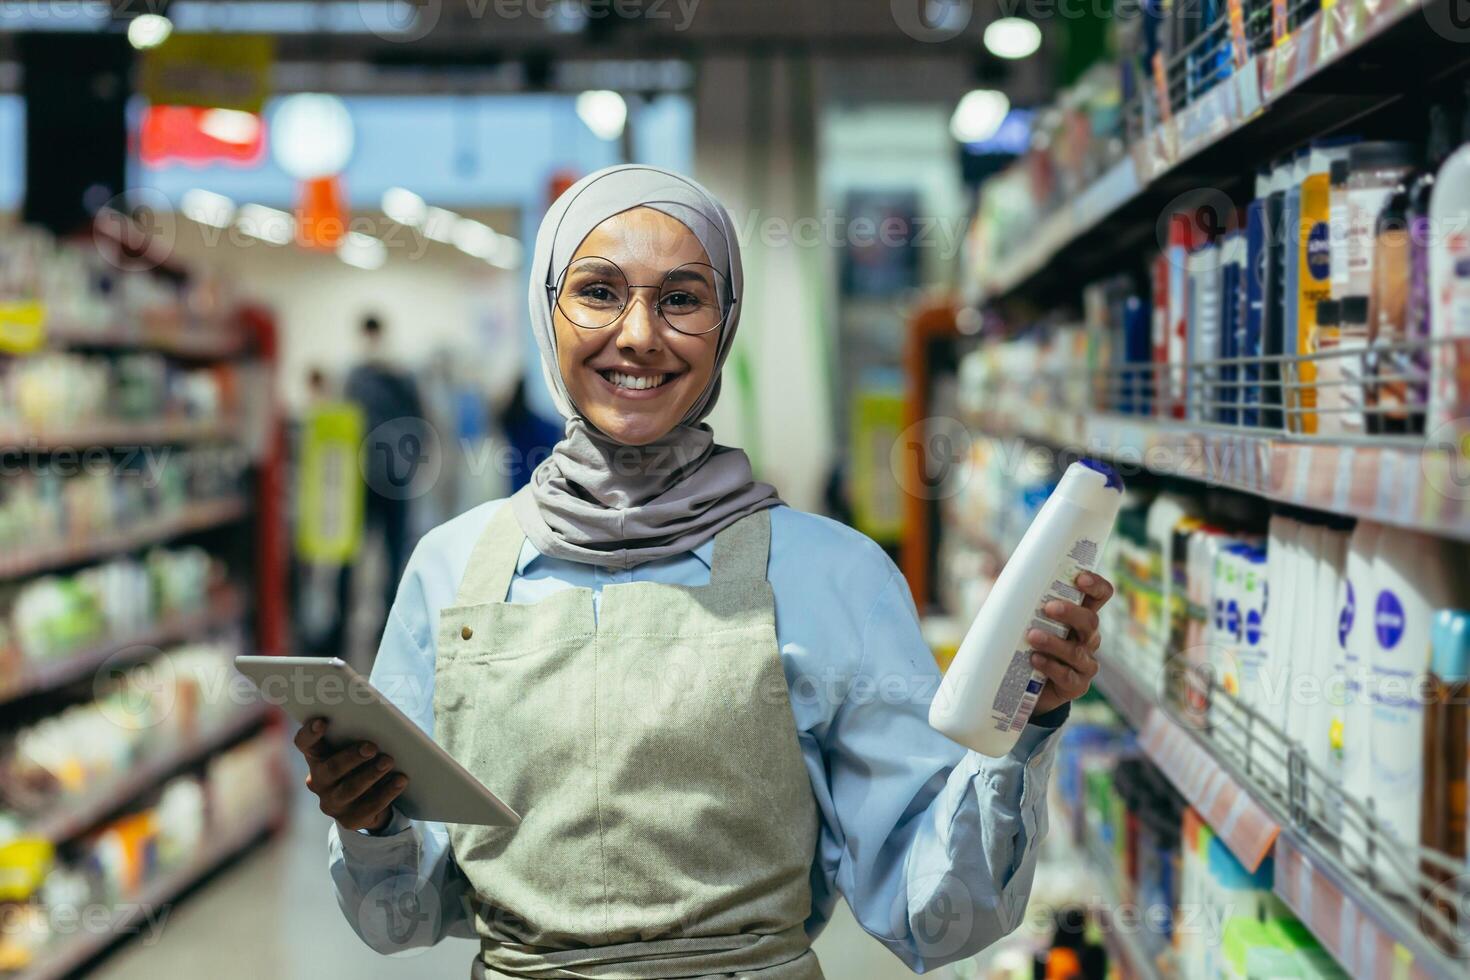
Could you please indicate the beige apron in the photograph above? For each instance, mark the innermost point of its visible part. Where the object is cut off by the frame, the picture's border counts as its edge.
(669, 820)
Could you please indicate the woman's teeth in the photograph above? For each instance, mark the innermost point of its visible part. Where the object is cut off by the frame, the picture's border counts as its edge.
(636, 382)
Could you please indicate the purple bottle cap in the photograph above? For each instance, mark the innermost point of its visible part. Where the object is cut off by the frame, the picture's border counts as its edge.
(1114, 480)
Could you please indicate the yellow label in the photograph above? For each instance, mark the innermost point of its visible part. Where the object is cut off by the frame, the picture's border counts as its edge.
(329, 527)
(24, 863)
(215, 71)
(1314, 284)
(877, 446)
(22, 326)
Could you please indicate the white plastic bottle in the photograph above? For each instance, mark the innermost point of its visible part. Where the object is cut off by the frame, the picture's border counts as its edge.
(1349, 717)
(991, 688)
(1414, 575)
(1449, 285)
(1269, 694)
(1331, 560)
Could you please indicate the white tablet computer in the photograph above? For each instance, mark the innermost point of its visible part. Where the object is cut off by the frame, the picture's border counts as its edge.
(439, 788)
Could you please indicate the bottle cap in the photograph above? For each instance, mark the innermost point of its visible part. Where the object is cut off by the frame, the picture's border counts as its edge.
(1354, 309)
(1339, 171)
(1450, 635)
(1329, 313)
(1113, 479)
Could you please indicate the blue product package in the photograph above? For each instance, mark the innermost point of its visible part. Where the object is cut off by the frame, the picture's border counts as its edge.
(1232, 271)
(1272, 296)
(1249, 338)
(1138, 343)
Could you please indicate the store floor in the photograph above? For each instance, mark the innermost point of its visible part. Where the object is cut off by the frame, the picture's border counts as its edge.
(272, 914)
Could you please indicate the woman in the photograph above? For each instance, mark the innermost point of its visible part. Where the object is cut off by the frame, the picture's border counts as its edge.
(710, 708)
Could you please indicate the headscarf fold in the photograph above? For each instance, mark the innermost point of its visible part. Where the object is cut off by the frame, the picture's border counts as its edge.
(596, 500)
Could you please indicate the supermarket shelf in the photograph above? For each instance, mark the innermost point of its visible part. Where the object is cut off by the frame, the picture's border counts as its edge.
(1123, 942)
(1343, 64)
(194, 517)
(192, 343)
(120, 651)
(118, 434)
(1365, 933)
(76, 816)
(1405, 484)
(70, 957)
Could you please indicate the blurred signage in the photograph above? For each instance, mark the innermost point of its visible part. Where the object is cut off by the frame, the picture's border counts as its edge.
(210, 70)
(329, 525)
(190, 134)
(877, 419)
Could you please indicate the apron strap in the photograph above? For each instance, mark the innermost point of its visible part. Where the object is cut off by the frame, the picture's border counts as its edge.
(742, 549)
(492, 564)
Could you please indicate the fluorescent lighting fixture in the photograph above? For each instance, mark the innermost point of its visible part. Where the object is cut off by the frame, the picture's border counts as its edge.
(979, 115)
(362, 251)
(475, 238)
(404, 206)
(230, 126)
(312, 135)
(267, 224)
(439, 225)
(1012, 37)
(604, 112)
(508, 254)
(207, 208)
(149, 31)
(388, 19)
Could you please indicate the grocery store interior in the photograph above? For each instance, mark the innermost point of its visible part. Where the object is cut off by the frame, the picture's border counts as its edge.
(264, 328)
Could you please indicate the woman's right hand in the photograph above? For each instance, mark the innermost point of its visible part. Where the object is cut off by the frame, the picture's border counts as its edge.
(354, 785)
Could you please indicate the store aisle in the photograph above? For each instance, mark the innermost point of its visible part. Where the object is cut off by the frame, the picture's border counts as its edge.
(273, 915)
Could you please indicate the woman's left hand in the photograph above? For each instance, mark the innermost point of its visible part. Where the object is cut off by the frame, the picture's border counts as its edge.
(1070, 664)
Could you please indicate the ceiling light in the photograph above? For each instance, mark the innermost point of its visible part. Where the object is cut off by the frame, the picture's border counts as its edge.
(604, 112)
(509, 254)
(439, 224)
(312, 136)
(149, 31)
(404, 206)
(1012, 37)
(475, 238)
(267, 224)
(230, 126)
(362, 251)
(979, 115)
(207, 208)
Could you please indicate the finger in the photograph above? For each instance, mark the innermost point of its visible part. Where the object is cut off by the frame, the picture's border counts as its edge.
(365, 812)
(1097, 589)
(1094, 643)
(356, 783)
(310, 739)
(1068, 681)
(328, 772)
(1081, 619)
(1071, 653)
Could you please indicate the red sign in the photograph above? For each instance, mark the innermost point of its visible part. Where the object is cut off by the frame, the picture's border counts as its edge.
(187, 134)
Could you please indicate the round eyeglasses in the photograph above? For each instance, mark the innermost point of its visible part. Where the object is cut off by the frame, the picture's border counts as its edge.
(693, 298)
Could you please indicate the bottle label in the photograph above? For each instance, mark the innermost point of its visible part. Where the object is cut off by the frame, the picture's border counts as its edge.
(1022, 684)
(1389, 620)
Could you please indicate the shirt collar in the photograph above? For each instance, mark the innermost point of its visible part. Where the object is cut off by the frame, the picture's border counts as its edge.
(530, 553)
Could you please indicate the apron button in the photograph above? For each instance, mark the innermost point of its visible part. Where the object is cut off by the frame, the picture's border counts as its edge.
(466, 633)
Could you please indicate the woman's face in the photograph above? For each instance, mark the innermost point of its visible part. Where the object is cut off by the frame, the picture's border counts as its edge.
(637, 377)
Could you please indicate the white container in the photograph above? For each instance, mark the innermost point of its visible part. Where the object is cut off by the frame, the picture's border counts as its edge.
(1268, 692)
(991, 688)
(1351, 722)
(1449, 286)
(1293, 707)
(1331, 562)
(1414, 576)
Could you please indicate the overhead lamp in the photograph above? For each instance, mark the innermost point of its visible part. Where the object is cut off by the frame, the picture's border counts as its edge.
(404, 206)
(266, 224)
(979, 115)
(1012, 38)
(149, 31)
(230, 126)
(439, 224)
(604, 112)
(207, 208)
(362, 251)
(312, 136)
(474, 238)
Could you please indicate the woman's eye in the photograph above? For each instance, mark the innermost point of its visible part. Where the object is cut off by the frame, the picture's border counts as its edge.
(680, 301)
(597, 293)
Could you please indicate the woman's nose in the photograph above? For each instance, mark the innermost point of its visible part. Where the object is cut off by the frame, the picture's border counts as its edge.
(639, 328)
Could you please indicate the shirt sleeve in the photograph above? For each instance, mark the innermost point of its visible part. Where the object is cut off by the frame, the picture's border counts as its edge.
(934, 847)
(400, 888)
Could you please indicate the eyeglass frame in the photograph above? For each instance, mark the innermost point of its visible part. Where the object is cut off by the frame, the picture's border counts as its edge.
(553, 289)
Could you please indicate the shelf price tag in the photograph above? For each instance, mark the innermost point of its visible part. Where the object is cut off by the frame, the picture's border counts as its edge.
(1237, 32)
(22, 326)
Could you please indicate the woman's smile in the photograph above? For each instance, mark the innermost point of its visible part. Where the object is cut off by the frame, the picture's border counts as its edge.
(639, 384)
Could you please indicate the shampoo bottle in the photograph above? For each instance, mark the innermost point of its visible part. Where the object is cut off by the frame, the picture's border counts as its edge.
(1350, 721)
(991, 688)
(1449, 286)
(1445, 750)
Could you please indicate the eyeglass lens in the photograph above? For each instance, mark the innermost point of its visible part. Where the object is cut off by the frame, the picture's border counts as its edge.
(594, 292)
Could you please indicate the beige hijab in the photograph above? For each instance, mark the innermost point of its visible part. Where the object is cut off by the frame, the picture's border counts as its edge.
(594, 499)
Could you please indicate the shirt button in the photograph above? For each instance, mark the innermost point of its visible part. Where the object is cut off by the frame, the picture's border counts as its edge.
(466, 633)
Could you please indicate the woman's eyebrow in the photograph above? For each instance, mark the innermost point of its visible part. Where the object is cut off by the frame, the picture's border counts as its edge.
(686, 274)
(598, 266)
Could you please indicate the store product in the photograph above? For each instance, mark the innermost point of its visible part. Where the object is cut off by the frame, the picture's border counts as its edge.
(1388, 307)
(1164, 514)
(1449, 284)
(1321, 655)
(991, 688)
(1414, 576)
(1445, 735)
(1419, 315)
(1248, 344)
(1273, 293)
(1350, 717)
(1311, 283)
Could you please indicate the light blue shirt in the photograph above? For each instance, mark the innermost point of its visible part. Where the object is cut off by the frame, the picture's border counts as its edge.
(933, 847)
